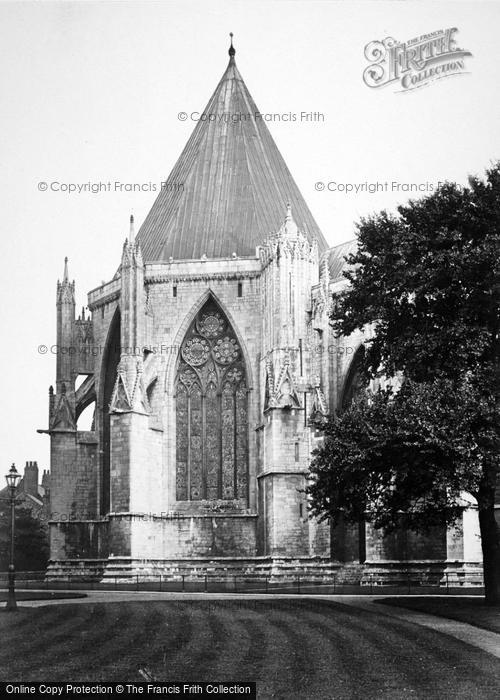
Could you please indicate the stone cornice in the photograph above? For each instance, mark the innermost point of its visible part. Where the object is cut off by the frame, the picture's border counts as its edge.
(107, 299)
(199, 277)
(180, 515)
(282, 472)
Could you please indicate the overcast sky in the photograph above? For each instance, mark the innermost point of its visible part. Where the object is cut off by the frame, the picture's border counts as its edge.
(91, 92)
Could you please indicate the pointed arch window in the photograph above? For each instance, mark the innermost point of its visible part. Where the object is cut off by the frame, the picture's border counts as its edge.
(211, 411)
(355, 382)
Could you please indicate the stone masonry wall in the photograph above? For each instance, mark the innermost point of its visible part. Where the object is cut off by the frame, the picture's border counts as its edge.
(193, 536)
(73, 471)
(172, 313)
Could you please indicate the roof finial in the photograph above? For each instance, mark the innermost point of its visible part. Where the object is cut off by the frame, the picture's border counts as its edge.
(132, 232)
(290, 226)
(232, 50)
(65, 277)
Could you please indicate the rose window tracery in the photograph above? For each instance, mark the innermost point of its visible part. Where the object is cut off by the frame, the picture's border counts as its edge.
(226, 350)
(196, 351)
(211, 324)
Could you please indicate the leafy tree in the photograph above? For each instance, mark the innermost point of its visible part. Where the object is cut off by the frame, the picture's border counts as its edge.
(31, 539)
(426, 282)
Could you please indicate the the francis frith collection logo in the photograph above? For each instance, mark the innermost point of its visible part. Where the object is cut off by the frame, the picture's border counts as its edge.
(416, 62)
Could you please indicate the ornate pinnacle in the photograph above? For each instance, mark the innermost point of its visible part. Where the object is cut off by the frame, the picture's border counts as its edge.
(132, 231)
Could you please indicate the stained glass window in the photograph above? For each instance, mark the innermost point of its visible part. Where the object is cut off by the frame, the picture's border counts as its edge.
(211, 411)
(355, 383)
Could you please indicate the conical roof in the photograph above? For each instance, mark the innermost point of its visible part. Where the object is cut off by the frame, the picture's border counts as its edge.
(230, 187)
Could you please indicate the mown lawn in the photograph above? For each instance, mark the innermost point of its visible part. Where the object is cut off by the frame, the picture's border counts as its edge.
(470, 610)
(292, 649)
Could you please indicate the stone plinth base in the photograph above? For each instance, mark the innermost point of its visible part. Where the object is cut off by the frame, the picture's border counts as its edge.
(311, 569)
(82, 569)
(422, 573)
(272, 569)
(462, 573)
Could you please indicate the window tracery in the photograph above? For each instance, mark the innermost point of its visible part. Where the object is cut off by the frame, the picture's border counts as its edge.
(211, 411)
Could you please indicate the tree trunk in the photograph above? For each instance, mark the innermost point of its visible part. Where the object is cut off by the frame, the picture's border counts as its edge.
(490, 543)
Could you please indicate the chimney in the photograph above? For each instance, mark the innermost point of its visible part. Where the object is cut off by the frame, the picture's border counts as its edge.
(31, 478)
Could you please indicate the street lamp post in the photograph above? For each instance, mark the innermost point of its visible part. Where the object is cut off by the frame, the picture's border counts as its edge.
(12, 478)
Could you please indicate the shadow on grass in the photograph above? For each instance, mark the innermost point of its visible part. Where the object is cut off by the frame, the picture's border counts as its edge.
(41, 595)
(474, 611)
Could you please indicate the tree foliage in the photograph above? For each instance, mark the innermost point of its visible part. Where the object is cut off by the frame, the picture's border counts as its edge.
(428, 280)
(425, 286)
(31, 539)
(413, 452)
